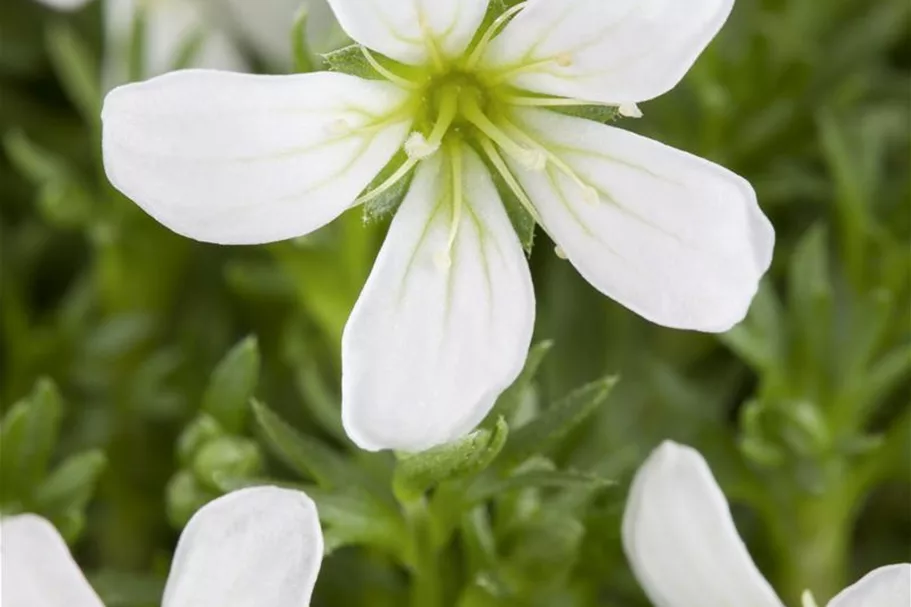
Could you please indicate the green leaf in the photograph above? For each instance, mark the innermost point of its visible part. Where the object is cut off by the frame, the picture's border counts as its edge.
(555, 422)
(70, 486)
(195, 436)
(306, 455)
(351, 60)
(27, 438)
(352, 518)
(490, 487)
(511, 399)
(416, 473)
(232, 384)
(77, 70)
(185, 495)
(388, 202)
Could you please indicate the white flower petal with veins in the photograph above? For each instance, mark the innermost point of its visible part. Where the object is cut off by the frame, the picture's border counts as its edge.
(411, 31)
(888, 586)
(613, 52)
(240, 159)
(680, 539)
(437, 333)
(257, 547)
(673, 237)
(37, 567)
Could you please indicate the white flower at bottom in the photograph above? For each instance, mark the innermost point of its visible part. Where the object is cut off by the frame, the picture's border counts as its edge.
(444, 323)
(685, 551)
(257, 547)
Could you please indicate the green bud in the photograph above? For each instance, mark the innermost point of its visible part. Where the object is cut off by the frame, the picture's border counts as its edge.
(184, 496)
(195, 436)
(227, 457)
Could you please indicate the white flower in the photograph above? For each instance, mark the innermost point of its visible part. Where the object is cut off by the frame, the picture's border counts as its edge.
(258, 547)
(681, 542)
(445, 320)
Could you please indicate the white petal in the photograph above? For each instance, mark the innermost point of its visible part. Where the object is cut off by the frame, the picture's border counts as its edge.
(680, 539)
(613, 52)
(412, 31)
(888, 586)
(37, 568)
(258, 547)
(428, 349)
(169, 27)
(240, 159)
(675, 238)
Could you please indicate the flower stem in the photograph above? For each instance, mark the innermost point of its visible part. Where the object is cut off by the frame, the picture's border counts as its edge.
(427, 588)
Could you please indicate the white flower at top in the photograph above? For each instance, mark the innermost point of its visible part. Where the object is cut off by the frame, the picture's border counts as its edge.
(445, 320)
(685, 551)
(258, 547)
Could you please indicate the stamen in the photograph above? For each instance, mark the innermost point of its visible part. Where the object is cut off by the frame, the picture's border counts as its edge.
(564, 59)
(529, 101)
(488, 36)
(558, 250)
(443, 259)
(589, 193)
(630, 110)
(530, 157)
(510, 180)
(387, 73)
(389, 183)
(417, 146)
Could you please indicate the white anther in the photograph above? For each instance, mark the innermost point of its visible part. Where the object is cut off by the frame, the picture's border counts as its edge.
(590, 195)
(559, 252)
(630, 110)
(564, 60)
(339, 126)
(533, 160)
(442, 259)
(417, 147)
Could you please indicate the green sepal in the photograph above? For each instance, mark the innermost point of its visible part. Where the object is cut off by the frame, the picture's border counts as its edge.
(185, 495)
(388, 202)
(554, 423)
(231, 386)
(522, 221)
(605, 114)
(199, 432)
(350, 60)
(416, 473)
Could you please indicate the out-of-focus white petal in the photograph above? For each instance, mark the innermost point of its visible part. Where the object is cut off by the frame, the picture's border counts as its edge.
(428, 348)
(257, 547)
(267, 25)
(411, 31)
(888, 586)
(680, 539)
(36, 568)
(171, 26)
(64, 5)
(675, 238)
(240, 159)
(613, 52)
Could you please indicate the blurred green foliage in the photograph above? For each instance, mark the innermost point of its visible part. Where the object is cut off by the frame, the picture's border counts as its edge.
(125, 361)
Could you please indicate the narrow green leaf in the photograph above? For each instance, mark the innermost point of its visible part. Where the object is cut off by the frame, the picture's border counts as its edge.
(303, 61)
(511, 399)
(353, 518)
(27, 438)
(555, 422)
(491, 487)
(77, 70)
(306, 455)
(232, 384)
(417, 473)
(71, 485)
